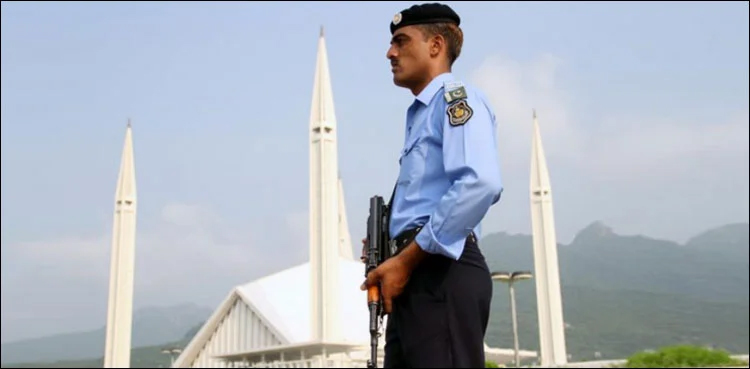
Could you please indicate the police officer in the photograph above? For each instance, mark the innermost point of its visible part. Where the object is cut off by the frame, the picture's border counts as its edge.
(437, 288)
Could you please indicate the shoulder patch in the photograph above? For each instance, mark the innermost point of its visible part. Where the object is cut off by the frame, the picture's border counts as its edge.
(452, 85)
(454, 90)
(459, 113)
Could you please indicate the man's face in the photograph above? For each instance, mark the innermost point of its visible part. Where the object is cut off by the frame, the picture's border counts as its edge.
(409, 55)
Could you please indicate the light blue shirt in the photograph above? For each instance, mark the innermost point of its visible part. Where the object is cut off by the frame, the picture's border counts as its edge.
(450, 174)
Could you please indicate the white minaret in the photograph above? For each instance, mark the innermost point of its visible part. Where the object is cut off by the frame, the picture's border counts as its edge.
(324, 204)
(548, 295)
(345, 239)
(120, 306)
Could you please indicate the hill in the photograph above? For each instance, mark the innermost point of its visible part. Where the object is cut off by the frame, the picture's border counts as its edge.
(141, 357)
(151, 326)
(622, 294)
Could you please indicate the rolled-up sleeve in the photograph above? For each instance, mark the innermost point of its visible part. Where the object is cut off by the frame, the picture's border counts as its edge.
(470, 158)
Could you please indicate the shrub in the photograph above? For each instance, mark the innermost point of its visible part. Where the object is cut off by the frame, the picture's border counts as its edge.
(490, 364)
(682, 356)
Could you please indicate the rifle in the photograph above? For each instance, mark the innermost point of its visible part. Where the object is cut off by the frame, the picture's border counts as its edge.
(377, 251)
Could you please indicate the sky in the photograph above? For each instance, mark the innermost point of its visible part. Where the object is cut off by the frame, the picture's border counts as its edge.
(643, 109)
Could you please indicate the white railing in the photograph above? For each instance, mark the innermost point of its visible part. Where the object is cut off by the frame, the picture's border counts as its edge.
(316, 363)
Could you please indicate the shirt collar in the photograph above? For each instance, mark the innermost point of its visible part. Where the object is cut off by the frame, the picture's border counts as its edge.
(433, 87)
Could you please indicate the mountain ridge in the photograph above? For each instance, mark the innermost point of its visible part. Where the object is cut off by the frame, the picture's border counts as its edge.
(626, 293)
(644, 263)
(152, 325)
(598, 226)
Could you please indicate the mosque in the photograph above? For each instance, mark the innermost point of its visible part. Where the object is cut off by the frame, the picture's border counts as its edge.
(310, 315)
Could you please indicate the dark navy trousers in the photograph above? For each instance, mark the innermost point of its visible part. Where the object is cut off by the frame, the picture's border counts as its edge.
(440, 319)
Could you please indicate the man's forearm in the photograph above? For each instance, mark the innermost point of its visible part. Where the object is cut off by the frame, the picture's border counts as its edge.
(460, 210)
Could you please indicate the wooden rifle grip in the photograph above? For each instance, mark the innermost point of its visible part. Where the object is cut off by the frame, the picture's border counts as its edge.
(373, 294)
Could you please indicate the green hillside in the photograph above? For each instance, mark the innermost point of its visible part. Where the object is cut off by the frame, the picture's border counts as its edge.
(618, 323)
(622, 294)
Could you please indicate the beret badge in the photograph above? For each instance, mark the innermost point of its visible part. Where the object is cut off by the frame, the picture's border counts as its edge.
(397, 19)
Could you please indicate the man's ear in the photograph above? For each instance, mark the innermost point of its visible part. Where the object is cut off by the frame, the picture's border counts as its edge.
(437, 43)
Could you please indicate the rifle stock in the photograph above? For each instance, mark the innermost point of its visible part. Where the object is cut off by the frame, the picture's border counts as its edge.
(377, 251)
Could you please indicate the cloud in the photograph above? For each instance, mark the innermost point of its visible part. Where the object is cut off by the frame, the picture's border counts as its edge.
(658, 146)
(609, 145)
(514, 90)
(183, 235)
(184, 215)
(670, 175)
(193, 252)
(82, 253)
(189, 254)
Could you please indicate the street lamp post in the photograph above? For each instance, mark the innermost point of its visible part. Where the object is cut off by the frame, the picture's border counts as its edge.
(510, 278)
(172, 352)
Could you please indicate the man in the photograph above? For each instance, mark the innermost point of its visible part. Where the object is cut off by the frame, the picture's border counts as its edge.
(448, 180)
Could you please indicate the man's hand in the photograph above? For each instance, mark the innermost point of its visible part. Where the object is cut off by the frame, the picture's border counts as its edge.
(363, 257)
(392, 276)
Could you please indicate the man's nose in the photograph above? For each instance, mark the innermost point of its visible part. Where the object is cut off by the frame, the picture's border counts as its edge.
(391, 53)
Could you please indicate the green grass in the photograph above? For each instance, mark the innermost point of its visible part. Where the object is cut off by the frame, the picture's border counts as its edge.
(683, 356)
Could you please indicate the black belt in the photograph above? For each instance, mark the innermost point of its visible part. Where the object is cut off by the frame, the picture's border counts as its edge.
(404, 239)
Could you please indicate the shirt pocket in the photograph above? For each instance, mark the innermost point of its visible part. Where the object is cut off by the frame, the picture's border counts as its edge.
(411, 161)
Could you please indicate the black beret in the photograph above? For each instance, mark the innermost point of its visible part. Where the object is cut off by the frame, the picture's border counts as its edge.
(423, 14)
